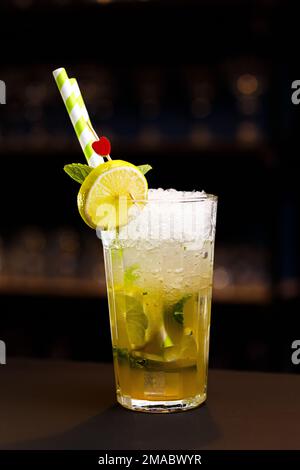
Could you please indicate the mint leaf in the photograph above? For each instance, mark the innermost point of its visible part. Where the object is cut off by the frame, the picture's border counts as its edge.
(177, 309)
(123, 355)
(178, 316)
(137, 362)
(144, 168)
(129, 274)
(78, 171)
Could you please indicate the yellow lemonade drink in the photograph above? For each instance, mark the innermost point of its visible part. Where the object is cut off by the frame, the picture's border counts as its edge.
(158, 251)
(159, 282)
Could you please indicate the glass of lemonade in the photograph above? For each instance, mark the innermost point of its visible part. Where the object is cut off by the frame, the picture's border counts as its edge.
(159, 271)
(158, 251)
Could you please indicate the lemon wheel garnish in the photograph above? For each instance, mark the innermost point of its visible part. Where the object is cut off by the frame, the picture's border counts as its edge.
(108, 192)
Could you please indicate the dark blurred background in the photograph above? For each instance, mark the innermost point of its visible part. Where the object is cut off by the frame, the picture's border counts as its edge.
(201, 90)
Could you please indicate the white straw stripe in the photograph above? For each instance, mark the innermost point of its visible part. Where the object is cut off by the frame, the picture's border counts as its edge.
(95, 160)
(85, 114)
(66, 90)
(75, 114)
(85, 137)
(57, 72)
(78, 95)
(75, 88)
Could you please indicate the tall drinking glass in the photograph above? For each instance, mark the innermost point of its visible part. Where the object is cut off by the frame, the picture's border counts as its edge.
(159, 271)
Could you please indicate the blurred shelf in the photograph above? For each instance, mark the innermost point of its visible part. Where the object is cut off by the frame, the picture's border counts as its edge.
(17, 5)
(135, 148)
(243, 294)
(56, 286)
(76, 287)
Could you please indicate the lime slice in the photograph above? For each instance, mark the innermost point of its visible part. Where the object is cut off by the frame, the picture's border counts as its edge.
(131, 320)
(108, 192)
(153, 308)
(152, 362)
(185, 350)
(188, 348)
(156, 335)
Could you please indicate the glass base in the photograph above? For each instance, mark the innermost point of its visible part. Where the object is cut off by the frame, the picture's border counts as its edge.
(168, 406)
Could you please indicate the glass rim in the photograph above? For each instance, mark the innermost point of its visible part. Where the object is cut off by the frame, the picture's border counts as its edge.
(200, 198)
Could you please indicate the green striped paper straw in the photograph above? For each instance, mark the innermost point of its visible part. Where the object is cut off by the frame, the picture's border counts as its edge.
(82, 129)
(81, 103)
(79, 99)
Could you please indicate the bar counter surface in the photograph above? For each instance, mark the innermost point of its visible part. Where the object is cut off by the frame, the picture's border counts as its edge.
(71, 405)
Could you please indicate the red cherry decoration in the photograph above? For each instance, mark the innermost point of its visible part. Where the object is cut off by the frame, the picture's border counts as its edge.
(102, 146)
